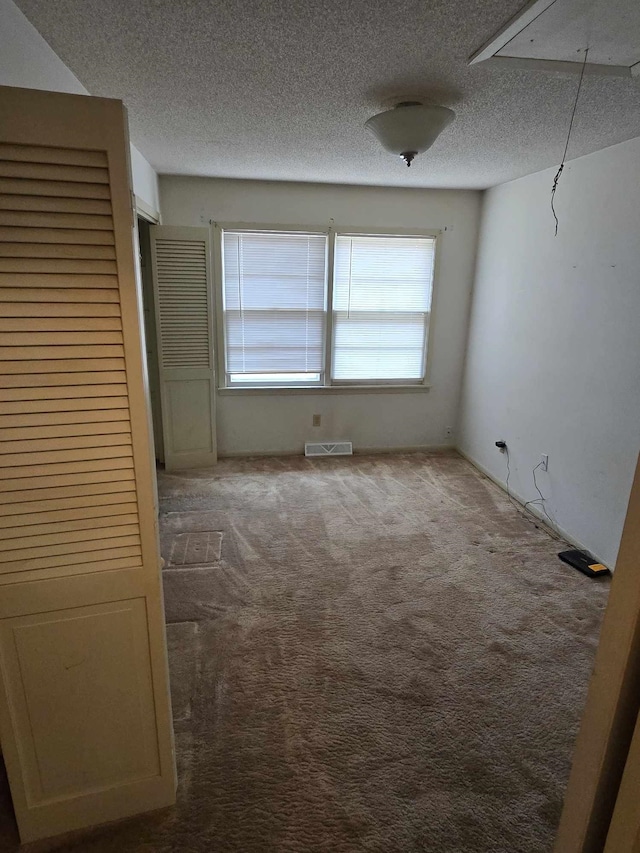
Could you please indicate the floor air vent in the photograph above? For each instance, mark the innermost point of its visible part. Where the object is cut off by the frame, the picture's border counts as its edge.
(328, 448)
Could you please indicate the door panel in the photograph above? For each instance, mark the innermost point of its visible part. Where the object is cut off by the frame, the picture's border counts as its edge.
(611, 711)
(184, 319)
(624, 832)
(84, 711)
(191, 434)
(80, 677)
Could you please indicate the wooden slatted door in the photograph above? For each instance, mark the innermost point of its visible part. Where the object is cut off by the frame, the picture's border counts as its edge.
(85, 718)
(184, 319)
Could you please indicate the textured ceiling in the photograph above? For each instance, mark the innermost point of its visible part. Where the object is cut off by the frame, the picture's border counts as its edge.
(280, 89)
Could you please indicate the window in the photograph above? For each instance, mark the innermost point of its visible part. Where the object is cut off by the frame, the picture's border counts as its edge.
(381, 302)
(276, 323)
(274, 299)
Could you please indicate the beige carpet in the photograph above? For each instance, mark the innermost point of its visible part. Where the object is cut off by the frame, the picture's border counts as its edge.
(377, 654)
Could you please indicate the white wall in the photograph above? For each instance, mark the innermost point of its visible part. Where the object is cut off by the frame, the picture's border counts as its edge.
(553, 362)
(27, 61)
(145, 182)
(280, 423)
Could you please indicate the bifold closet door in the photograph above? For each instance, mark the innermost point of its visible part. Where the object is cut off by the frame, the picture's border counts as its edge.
(85, 718)
(181, 263)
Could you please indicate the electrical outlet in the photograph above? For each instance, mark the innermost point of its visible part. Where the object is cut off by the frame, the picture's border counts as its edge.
(448, 432)
(316, 420)
(544, 462)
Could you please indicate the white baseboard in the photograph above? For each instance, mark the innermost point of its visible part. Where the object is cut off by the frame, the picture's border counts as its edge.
(531, 509)
(257, 454)
(435, 449)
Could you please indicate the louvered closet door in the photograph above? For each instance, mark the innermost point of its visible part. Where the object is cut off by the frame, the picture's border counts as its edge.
(184, 311)
(84, 712)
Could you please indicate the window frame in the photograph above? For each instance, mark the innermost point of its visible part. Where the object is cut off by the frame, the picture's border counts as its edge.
(224, 383)
(327, 383)
(381, 383)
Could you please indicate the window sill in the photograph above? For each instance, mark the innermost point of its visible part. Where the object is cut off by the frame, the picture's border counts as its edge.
(325, 389)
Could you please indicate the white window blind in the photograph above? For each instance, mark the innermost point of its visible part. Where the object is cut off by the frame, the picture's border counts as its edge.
(381, 303)
(274, 296)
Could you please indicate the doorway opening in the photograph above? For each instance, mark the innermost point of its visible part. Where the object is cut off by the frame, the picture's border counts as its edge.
(150, 335)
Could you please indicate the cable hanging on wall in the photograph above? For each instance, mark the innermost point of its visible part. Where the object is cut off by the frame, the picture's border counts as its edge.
(566, 147)
(540, 503)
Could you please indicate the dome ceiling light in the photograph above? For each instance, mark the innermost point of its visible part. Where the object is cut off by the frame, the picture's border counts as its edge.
(410, 127)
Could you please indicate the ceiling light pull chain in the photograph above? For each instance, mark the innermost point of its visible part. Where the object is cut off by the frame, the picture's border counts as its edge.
(566, 147)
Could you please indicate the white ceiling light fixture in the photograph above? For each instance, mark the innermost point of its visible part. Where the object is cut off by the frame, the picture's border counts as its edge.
(410, 127)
